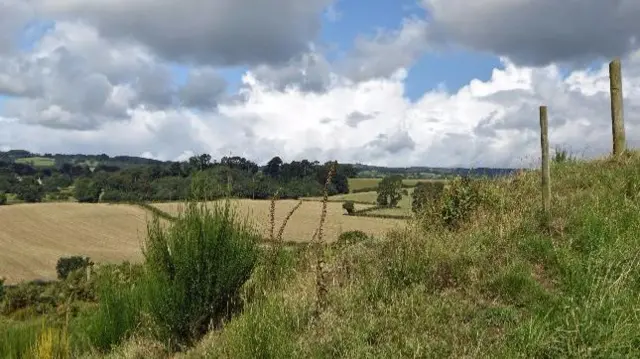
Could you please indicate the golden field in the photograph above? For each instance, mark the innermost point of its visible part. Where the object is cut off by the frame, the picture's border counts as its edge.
(34, 236)
(302, 225)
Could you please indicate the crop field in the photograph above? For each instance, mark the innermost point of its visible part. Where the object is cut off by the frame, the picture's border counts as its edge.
(359, 183)
(37, 161)
(34, 236)
(403, 209)
(302, 225)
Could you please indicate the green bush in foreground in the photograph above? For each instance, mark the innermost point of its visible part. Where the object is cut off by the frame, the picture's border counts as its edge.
(195, 269)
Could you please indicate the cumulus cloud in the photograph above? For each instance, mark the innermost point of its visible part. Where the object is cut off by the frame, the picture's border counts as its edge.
(87, 87)
(387, 51)
(75, 79)
(538, 32)
(377, 56)
(218, 32)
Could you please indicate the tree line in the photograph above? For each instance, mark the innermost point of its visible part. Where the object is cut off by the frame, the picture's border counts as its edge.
(167, 181)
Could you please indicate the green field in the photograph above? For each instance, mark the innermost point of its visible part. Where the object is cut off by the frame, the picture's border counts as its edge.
(360, 183)
(403, 209)
(37, 161)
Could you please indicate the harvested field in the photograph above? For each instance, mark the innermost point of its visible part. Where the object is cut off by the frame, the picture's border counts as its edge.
(303, 223)
(34, 236)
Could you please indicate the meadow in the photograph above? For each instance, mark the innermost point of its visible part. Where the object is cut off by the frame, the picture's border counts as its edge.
(37, 161)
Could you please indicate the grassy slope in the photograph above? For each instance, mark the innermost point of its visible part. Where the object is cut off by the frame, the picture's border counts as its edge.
(500, 287)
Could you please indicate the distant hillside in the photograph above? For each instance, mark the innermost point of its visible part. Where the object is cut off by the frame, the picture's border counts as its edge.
(57, 160)
(430, 172)
(364, 171)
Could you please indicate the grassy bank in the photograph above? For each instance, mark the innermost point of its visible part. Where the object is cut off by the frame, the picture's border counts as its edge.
(504, 285)
(481, 275)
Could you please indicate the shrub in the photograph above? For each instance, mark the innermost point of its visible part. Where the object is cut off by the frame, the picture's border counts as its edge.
(118, 313)
(195, 269)
(27, 295)
(351, 237)
(3, 199)
(459, 200)
(1, 289)
(426, 194)
(349, 206)
(67, 265)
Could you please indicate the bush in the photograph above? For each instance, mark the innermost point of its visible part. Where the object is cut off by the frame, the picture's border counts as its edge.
(460, 199)
(67, 265)
(27, 295)
(195, 269)
(351, 237)
(349, 206)
(426, 194)
(3, 199)
(1, 289)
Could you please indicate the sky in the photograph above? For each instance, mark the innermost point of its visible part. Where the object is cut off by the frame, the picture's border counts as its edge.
(395, 83)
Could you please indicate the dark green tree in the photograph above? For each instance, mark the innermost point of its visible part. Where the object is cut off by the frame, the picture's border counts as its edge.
(390, 191)
(29, 190)
(273, 167)
(87, 190)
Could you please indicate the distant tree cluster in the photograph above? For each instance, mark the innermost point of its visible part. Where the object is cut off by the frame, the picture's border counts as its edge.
(104, 181)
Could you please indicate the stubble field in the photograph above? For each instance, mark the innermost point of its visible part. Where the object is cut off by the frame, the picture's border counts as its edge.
(34, 236)
(302, 225)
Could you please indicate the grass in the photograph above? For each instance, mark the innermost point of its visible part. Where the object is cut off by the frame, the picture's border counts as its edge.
(37, 161)
(504, 285)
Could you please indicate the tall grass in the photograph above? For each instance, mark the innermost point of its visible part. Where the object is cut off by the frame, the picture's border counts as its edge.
(496, 286)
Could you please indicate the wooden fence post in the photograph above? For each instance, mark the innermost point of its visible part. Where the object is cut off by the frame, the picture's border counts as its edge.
(546, 177)
(617, 117)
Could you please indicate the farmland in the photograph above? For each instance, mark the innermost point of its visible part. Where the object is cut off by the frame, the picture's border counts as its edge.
(33, 237)
(356, 184)
(304, 221)
(37, 161)
(363, 198)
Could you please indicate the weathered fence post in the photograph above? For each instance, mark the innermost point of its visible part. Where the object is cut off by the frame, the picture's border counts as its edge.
(546, 176)
(617, 117)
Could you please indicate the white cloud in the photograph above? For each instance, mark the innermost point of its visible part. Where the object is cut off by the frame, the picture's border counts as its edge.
(85, 87)
(493, 123)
